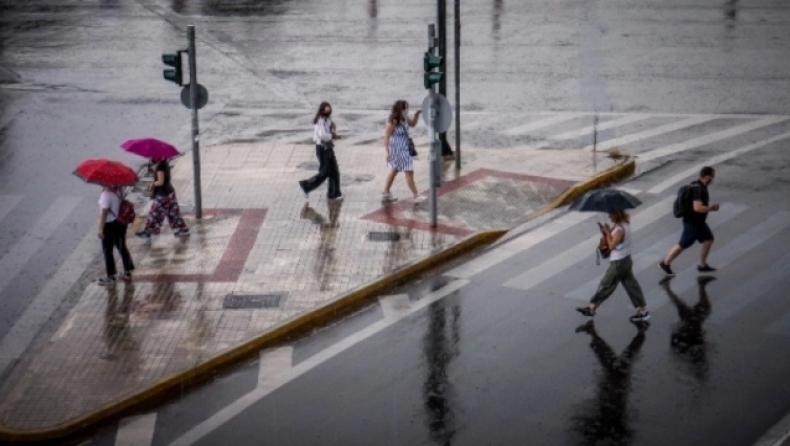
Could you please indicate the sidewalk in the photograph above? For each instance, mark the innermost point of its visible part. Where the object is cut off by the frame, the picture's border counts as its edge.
(261, 256)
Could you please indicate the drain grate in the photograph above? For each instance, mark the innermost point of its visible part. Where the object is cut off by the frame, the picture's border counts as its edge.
(251, 301)
(383, 236)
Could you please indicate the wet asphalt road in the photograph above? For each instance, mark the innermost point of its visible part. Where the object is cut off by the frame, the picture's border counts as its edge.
(501, 360)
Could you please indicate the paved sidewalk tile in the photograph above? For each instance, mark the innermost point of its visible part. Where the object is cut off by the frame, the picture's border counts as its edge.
(262, 254)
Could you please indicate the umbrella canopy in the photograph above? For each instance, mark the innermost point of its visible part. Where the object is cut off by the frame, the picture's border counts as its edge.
(106, 173)
(605, 200)
(150, 148)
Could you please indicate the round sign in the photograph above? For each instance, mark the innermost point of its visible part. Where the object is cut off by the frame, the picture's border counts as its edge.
(444, 112)
(202, 97)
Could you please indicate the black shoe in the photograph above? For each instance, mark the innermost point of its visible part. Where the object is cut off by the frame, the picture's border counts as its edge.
(666, 268)
(304, 190)
(143, 234)
(587, 327)
(640, 317)
(106, 281)
(704, 280)
(586, 311)
(705, 269)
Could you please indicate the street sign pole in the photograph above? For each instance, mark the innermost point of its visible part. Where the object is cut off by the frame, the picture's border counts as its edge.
(193, 102)
(457, 44)
(441, 44)
(434, 157)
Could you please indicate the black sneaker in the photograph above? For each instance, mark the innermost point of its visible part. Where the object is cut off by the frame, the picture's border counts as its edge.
(126, 277)
(705, 269)
(143, 234)
(667, 270)
(182, 233)
(640, 317)
(586, 311)
(106, 281)
(304, 191)
(642, 326)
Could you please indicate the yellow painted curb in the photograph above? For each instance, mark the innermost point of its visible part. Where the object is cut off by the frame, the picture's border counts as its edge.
(299, 325)
(290, 329)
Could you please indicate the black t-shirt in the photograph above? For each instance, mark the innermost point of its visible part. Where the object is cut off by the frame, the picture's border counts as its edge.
(166, 188)
(699, 192)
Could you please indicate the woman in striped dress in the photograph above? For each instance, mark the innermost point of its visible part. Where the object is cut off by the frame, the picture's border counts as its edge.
(396, 146)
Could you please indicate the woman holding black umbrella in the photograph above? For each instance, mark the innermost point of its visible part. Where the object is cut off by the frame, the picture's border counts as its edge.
(616, 240)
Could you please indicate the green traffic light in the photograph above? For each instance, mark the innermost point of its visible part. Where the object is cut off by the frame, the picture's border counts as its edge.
(173, 74)
(431, 61)
(429, 79)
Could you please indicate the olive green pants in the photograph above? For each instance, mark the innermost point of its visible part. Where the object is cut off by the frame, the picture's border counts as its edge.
(619, 271)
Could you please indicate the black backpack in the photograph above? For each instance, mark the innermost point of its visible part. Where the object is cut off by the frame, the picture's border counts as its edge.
(682, 205)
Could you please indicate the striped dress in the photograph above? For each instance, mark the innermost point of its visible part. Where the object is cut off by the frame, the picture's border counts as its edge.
(400, 159)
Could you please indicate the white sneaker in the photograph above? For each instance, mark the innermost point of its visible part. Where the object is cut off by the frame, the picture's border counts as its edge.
(419, 199)
(389, 198)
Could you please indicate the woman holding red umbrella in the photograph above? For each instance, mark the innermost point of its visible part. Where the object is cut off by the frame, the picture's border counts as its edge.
(113, 235)
(165, 203)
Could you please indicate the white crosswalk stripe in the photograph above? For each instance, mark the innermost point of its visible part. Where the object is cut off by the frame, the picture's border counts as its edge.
(544, 122)
(628, 119)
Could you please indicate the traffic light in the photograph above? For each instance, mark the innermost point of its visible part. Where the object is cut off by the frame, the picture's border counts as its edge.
(430, 62)
(173, 74)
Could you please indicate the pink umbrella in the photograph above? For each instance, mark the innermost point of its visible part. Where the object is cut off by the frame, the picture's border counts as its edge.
(150, 148)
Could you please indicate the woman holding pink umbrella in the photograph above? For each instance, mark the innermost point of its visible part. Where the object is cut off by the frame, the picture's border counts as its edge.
(165, 203)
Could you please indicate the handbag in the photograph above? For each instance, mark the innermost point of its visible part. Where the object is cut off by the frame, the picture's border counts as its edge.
(412, 150)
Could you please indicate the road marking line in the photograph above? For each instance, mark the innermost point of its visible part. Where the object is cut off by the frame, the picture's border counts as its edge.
(745, 294)
(708, 139)
(34, 239)
(777, 435)
(136, 431)
(561, 262)
(520, 244)
(38, 312)
(729, 253)
(649, 133)
(235, 408)
(573, 134)
(275, 367)
(395, 306)
(694, 171)
(7, 204)
(647, 258)
(541, 123)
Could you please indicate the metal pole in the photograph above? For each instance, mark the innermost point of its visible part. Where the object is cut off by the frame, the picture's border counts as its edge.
(457, 42)
(193, 100)
(434, 157)
(441, 40)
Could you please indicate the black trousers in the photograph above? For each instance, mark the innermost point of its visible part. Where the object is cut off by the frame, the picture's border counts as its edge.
(115, 237)
(327, 170)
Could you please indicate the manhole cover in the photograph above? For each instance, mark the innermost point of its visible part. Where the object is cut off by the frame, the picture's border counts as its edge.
(247, 301)
(383, 236)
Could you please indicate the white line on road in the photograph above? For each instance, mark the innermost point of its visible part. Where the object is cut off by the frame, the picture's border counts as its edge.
(649, 133)
(521, 244)
(694, 171)
(34, 239)
(7, 204)
(234, 409)
(561, 262)
(541, 123)
(136, 431)
(275, 367)
(573, 134)
(708, 139)
(25, 329)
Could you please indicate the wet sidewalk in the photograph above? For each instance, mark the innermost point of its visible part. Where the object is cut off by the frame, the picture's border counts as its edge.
(262, 255)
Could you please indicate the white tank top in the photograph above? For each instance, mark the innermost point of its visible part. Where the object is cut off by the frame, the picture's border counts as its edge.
(623, 249)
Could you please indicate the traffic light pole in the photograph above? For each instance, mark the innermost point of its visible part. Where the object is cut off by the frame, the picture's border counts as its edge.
(441, 41)
(193, 101)
(457, 45)
(435, 143)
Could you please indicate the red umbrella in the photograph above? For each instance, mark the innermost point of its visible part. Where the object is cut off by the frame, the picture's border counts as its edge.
(150, 148)
(106, 173)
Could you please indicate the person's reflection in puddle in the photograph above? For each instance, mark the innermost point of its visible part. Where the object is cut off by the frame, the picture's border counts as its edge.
(688, 336)
(604, 420)
(116, 323)
(324, 265)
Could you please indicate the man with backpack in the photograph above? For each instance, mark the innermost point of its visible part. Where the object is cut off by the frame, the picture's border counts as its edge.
(692, 205)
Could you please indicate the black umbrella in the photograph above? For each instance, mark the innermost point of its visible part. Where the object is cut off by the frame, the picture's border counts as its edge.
(605, 200)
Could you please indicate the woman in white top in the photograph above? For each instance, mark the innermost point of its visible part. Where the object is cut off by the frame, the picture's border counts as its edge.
(323, 135)
(113, 235)
(618, 241)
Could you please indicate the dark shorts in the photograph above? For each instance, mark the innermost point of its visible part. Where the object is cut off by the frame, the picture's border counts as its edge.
(694, 233)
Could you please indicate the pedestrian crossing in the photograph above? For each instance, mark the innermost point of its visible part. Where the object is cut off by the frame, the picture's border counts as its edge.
(649, 135)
